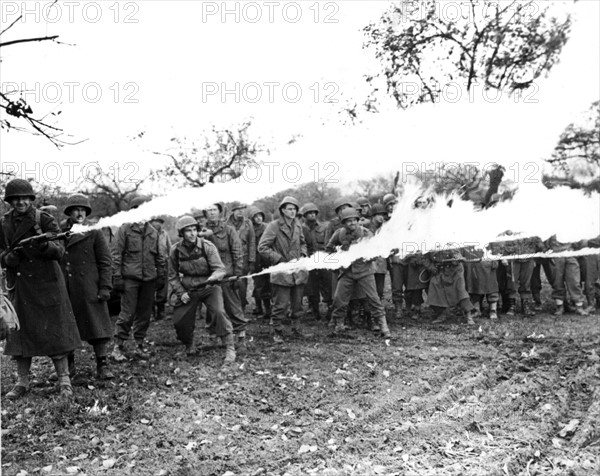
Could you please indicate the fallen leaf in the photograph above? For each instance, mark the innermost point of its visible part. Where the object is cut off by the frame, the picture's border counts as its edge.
(144, 421)
(109, 463)
(72, 469)
(569, 428)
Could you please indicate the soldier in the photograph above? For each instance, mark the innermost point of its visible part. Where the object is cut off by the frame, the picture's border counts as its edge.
(567, 279)
(245, 231)
(37, 290)
(319, 280)
(339, 206)
(364, 211)
(164, 246)
(139, 268)
(283, 241)
(447, 285)
(536, 279)
(360, 273)
(398, 268)
(87, 266)
(378, 216)
(194, 265)
(228, 243)
(389, 201)
(262, 287)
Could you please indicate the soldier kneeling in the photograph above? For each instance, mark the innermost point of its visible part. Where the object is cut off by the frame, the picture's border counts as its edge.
(194, 270)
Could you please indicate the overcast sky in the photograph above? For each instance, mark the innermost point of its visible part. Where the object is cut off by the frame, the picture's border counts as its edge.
(160, 67)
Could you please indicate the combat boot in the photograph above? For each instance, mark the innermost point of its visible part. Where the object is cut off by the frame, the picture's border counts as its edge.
(511, 307)
(161, 313)
(469, 315)
(537, 303)
(476, 309)
(22, 385)
(315, 311)
(229, 350)
(526, 308)
(383, 326)
(258, 309)
(102, 370)
(493, 311)
(397, 311)
(118, 353)
(560, 309)
(580, 311)
(267, 306)
(64, 382)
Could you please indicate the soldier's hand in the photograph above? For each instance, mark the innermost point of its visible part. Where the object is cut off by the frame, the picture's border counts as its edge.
(103, 294)
(12, 259)
(345, 246)
(185, 298)
(504, 262)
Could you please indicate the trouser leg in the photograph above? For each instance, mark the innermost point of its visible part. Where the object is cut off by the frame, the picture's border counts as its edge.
(143, 310)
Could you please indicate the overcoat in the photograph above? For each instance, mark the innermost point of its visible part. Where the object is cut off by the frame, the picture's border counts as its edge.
(229, 245)
(245, 231)
(447, 285)
(38, 290)
(87, 266)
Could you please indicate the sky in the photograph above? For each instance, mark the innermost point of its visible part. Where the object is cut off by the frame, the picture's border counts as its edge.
(161, 67)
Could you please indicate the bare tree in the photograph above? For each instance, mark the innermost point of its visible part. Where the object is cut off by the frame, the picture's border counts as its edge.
(106, 187)
(502, 46)
(222, 156)
(15, 112)
(579, 142)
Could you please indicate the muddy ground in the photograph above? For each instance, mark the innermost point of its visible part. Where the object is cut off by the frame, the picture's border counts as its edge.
(502, 398)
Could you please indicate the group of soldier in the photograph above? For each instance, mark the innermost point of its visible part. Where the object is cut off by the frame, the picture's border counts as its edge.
(60, 288)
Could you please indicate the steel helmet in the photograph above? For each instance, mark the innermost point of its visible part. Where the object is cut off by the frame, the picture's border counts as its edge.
(137, 201)
(378, 209)
(363, 201)
(184, 222)
(389, 198)
(78, 200)
(349, 213)
(340, 203)
(238, 206)
(18, 188)
(291, 200)
(253, 211)
(310, 207)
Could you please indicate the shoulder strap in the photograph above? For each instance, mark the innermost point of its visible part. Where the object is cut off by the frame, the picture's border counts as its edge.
(38, 222)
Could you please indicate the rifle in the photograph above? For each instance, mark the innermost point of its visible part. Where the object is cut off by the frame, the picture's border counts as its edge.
(37, 239)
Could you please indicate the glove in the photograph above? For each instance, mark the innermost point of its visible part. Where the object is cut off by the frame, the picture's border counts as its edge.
(12, 260)
(118, 284)
(345, 246)
(103, 294)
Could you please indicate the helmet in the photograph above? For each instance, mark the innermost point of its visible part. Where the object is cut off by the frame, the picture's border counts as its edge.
(158, 218)
(291, 200)
(363, 201)
(253, 211)
(184, 222)
(137, 201)
(310, 207)
(349, 213)
(18, 188)
(341, 202)
(389, 198)
(378, 209)
(197, 213)
(78, 200)
(238, 206)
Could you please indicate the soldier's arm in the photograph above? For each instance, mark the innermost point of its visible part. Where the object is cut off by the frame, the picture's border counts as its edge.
(237, 254)
(119, 250)
(174, 279)
(333, 243)
(219, 271)
(251, 245)
(104, 260)
(303, 243)
(265, 245)
(55, 249)
(160, 261)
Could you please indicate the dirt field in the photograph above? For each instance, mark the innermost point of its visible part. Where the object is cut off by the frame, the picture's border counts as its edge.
(504, 398)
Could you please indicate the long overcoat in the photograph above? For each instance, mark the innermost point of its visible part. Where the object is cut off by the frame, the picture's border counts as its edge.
(39, 293)
(87, 266)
